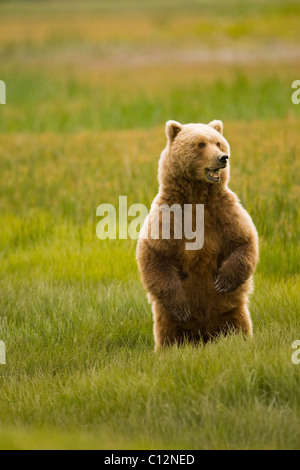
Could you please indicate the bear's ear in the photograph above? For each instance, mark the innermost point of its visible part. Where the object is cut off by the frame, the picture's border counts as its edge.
(172, 129)
(218, 125)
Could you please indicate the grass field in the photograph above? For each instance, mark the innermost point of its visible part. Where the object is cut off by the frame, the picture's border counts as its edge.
(89, 88)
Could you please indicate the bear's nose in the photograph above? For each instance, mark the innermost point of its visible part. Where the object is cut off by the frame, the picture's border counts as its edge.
(223, 159)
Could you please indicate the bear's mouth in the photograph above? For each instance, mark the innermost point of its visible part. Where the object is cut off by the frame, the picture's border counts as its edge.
(213, 175)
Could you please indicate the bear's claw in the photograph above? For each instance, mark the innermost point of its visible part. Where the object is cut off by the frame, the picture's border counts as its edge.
(222, 287)
(183, 314)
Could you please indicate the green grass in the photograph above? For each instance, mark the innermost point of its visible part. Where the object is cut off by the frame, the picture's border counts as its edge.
(83, 124)
(38, 102)
(88, 368)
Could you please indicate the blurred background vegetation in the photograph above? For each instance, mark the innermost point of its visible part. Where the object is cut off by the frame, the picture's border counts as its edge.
(90, 85)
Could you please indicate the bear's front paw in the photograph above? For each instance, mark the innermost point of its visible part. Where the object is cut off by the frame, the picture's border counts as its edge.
(179, 312)
(183, 313)
(223, 285)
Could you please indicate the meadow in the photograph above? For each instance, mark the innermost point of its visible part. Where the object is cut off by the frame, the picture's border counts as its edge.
(90, 86)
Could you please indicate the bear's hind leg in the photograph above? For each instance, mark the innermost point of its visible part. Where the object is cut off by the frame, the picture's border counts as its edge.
(237, 320)
(166, 331)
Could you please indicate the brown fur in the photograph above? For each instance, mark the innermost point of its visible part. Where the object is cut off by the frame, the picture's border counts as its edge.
(198, 294)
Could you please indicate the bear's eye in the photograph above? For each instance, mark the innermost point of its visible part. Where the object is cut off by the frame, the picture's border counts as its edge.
(201, 145)
(219, 144)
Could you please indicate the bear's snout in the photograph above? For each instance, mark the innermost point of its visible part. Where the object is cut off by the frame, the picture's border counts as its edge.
(223, 159)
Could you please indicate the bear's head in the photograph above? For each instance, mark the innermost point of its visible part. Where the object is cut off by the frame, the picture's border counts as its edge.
(197, 152)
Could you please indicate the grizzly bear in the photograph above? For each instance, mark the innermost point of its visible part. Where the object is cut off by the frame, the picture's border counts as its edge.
(197, 294)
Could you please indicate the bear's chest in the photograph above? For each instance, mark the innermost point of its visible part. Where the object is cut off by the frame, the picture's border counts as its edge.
(208, 255)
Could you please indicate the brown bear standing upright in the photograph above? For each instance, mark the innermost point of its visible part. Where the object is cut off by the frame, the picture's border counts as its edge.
(197, 294)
